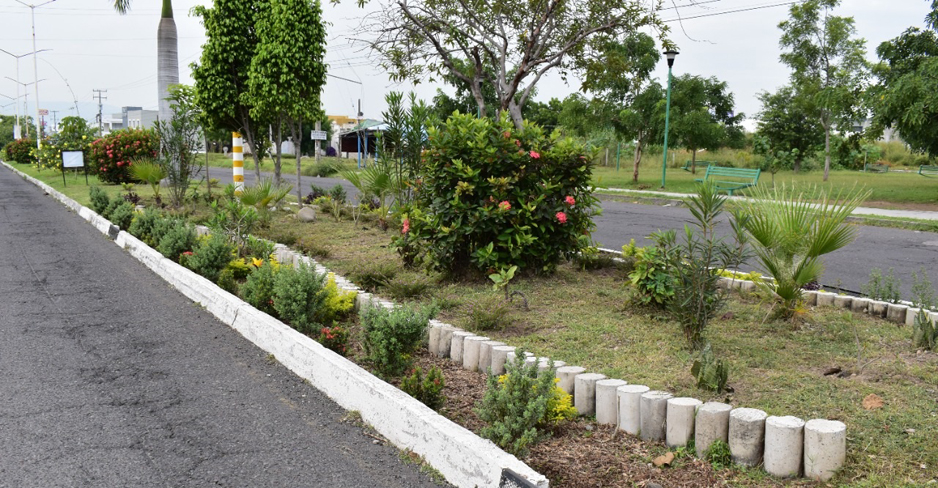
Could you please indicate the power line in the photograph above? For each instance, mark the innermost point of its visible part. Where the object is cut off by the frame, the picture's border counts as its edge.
(727, 12)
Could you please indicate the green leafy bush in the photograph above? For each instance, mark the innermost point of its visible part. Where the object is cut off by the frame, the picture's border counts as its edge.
(719, 455)
(515, 406)
(710, 373)
(299, 297)
(338, 304)
(210, 256)
(99, 200)
(20, 151)
(337, 193)
(492, 196)
(391, 336)
(143, 223)
(74, 134)
(111, 156)
(111, 207)
(178, 238)
(123, 215)
(427, 389)
(226, 281)
(651, 276)
(258, 290)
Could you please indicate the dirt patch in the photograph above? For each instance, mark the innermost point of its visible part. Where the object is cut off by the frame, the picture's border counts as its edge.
(923, 207)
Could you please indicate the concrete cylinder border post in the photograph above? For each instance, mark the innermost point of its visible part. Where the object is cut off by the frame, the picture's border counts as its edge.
(607, 401)
(825, 448)
(630, 407)
(654, 415)
(679, 426)
(567, 375)
(485, 355)
(470, 352)
(457, 346)
(584, 393)
(499, 357)
(747, 435)
(712, 424)
(784, 444)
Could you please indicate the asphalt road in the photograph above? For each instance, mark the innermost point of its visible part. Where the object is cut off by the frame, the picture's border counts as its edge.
(849, 268)
(109, 378)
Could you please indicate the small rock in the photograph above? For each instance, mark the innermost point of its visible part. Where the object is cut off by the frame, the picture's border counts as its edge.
(831, 371)
(664, 460)
(653, 485)
(306, 214)
(589, 427)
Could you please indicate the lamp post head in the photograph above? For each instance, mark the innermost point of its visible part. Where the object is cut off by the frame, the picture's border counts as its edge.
(671, 54)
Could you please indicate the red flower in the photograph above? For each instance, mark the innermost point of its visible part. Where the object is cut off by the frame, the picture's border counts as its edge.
(188, 253)
(534, 154)
(504, 205)
(561, 217)
(406, 228)
(570, 201)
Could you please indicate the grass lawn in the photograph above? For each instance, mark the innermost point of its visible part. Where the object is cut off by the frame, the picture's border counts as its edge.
(585, 318)
(288, 164)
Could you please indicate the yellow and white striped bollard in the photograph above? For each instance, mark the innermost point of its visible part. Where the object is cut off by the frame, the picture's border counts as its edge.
(237, 162)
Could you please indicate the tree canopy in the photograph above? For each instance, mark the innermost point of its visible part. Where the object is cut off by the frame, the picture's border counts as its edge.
(906, 97)
(787, 126)
(508, 44)
(702, 115)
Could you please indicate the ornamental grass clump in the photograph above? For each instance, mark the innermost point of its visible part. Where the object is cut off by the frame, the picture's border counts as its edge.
(791, 229)
(519, 404)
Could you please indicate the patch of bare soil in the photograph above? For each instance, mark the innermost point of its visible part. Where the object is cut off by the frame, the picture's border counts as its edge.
(925, 207)
(582, 454)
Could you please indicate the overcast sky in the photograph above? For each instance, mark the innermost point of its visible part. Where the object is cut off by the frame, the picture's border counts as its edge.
(92, 47)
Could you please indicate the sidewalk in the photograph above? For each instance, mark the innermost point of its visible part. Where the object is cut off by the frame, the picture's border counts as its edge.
(860, 211)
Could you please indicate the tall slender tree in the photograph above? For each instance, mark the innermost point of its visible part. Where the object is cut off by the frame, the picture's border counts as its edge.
(828, 65)
(287, 71)
(167, 54)
(221, 75)
(702, 115)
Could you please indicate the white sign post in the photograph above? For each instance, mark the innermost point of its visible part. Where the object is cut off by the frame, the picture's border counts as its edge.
(73, 159)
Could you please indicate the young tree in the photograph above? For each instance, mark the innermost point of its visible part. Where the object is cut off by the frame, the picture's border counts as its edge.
(642, 121)
(785, 125)
(906, 97)
(509, 44)
(221, 74)
(828, 65)
(287, 72)
(702, 114)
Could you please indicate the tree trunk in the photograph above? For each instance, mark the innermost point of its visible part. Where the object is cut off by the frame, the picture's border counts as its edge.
(693, 161)
(827, 151)
(515, 112)
(249, 135)
(297, 129)
(638, 159)
(797, 165)
(167, 60)
(278, 141)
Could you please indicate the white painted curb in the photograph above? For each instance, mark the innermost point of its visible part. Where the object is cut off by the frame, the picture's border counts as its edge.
(464, 459)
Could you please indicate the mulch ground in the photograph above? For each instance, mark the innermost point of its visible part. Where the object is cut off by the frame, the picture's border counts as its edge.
(583, 454)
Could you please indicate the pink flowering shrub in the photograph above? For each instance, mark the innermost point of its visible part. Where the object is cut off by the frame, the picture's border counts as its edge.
(493, 196)
(112, 155)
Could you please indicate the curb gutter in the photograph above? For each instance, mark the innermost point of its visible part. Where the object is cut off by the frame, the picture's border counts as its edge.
(464, 459)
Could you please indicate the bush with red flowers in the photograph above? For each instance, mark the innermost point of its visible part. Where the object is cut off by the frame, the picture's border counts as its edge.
(112, 155)
(19, 151)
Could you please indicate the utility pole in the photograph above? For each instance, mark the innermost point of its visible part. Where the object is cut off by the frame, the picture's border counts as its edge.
(55, 123)
(100, 95)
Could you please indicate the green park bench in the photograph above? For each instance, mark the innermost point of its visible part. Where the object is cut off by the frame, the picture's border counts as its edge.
(927, 170)
(731, 179)
(876, 168)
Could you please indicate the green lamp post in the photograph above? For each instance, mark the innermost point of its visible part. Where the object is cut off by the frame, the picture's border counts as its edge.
(671, 54)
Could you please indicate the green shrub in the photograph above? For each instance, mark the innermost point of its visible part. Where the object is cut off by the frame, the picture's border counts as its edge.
(651, 276)
(111, 207)
(210, 256)
(428, 390)
(923, 295)
(163, 226)
(334, 338)
(391, 336)
(493, 196)
(337, 193)
(883, 288)
(239, 268)
(123, 215)
(719, 455)
(321, 169)
(515, 405)
(226, 281)
(299, 296)
(99, 200)
(258, 290)
(179, 238)
(710, 373)
(20, 151)
(143, 225)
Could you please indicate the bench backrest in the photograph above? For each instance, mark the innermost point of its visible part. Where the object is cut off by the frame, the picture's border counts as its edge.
(742, 173)
(928, 170)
